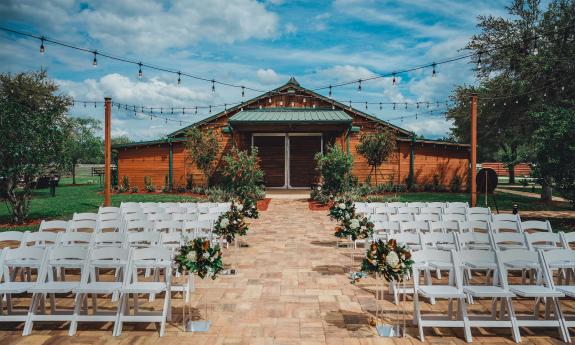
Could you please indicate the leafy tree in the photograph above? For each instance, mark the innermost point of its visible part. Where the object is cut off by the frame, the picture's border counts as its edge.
(121, 139)
(203, 147)
(376, 148)
(82, 144)
(335, 169)
(554, 147)
(242, 173)
(33, 127)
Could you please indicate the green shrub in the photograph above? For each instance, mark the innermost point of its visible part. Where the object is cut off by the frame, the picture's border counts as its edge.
(135, 189)
(181, 189)
(455, 185)
(150, 188)
(215, 194)
(203, 147)
(524, 181)
(318, 194)
(242, 173)
(335, 170)
(125, 186)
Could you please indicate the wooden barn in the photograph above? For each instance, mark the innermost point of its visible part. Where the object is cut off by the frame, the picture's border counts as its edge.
(289, 126)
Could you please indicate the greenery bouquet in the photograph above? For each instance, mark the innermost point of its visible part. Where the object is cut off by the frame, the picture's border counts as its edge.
(231, 224)
(199, 256)
(356, 227)
(342, 210)
(390, 259)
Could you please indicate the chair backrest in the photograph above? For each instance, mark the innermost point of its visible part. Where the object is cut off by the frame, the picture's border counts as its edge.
(159, 216)
(53, 225)
(430, 210)
(432, 239)
(543, 240)
(109, 210)
(32, 257)
(361, 209)
(173, 210)
(456, 217)
(106, 257)
(480, 258)
(132, 208)
(505, 226)
(558, 258)
(404, 217)
(443, 226)
(424, 256)
(112, 225)
(134, 216)
(185, 216)
(458, 204)
(384, 210)
(219, 209)
(109, 216)
(167, 225)
(567, 238)
(172, 240)
(167, 205)
(479, 217)
(518, 259)
(409, 239)
(143, 239)
(153, 257)
(474, 226)
(128, 204)
(74, 239)
(479, 210)
(396, 204)
(11, 238)
(83, 225)
(508, 240)
(427, 217)
(202, 228)
(374, 205)
(41, 239)
(409, 210)
(387, 226)
(139, 225)
(204, 207)
(208, 217)
(536, 226)
(413, 226)
(85, 216)
(148, 204)
(440, 205)
(153, 210)
(508, 217)
(455, 210)
(473, 240)
(378, 217)
(78, 254)
(416, 204)
(109, 239)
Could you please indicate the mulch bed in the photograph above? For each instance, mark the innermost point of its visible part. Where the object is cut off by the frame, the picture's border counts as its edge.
(26, 223)
(263, 204)
(315, 206)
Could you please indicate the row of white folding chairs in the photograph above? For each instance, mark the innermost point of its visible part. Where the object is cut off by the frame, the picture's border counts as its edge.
(131, 263)
(483, 241)
(541, 288)
(411, 204)
(463, 226)
(404, 217)
(417, 207)
(201, 207)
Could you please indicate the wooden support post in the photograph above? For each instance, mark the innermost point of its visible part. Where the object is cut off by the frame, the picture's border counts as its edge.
(473, 149)
(107, 150)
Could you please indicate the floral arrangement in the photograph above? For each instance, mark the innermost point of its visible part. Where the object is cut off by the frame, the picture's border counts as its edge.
(342, 210)
(231, 224)
(249, 208)
(356, 227)
(390, 259)
(199, 256)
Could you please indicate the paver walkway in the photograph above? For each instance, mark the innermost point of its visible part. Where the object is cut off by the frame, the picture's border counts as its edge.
(291, 288)
(528, 194)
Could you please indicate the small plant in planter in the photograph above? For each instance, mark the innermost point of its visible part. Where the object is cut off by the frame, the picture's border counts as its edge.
(135, 189)
(125, 185)
(249, 209)
(150, 188)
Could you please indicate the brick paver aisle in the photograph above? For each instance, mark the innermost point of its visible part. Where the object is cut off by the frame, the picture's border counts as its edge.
(292, 288)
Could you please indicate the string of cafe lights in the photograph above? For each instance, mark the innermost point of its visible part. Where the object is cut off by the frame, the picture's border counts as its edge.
(434, 65)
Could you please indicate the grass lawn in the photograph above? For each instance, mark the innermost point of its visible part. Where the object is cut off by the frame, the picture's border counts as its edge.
(79, 198)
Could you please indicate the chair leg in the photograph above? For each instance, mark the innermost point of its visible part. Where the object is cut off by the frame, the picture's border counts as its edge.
(463, 314)
(74, 322)
(31, 312)
(513, 319)
(563, 329)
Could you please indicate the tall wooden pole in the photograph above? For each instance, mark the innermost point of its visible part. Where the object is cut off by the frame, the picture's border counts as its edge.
(473, 149)
(107, 150)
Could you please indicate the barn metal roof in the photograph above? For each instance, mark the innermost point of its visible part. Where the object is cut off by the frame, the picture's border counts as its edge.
(290, 115)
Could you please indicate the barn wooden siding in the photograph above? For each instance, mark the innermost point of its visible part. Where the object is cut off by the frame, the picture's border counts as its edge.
(521, 169)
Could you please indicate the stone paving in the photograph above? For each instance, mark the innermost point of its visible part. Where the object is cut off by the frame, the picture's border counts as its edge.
(291, 288)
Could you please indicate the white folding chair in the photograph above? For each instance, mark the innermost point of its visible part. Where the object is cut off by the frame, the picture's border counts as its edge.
(174, 240)
(82, 225)
(414, 227)
(454, 217)
(507, 217)
(109, 239)
(128, 217)
(146, 258)
(90, 284)
(211, 217)
(41, 239)
(131, 208)
(82, 239)
(384, 230)
(504, 226)
(404, 217)
(12, 238)
(408, 210)
(430, 210)
(540, 289)
(109, 210)
(543, 240)
(53, 225)
(219, 209)
(384, 210)
(175, 210)
(416, 204)
(409, 239)
(112, 225)
(458, 204)
(497, 291)
(85, 216)
(536, 226)
(479, 217)
(443, 226)
(143, 239)
(427, 217)
(102, 217)
(438, 240)
(508, 240)
(59, 259)
(567, 238)
(473, 226)
(139, 226)
(378, 217)
(479, 210)
(395, 204)
(359, 209)
(184, 216)
(204, 207)
(12, 260)
(455, 210)
(153, 210)
(473, 240)
(563, 261)
(451, 291)
(167, 226)
(440, 205)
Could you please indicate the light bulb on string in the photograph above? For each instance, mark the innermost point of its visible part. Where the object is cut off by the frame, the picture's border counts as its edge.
(140, 73)
(95, 60)
(304, 100)
(329, 94)
(172, 111)
(516, 101)
(365, 105)
(427, 105)
(225, 107)
(433, 73)
(479, 61)
(210, 109)
(270, 100)
(416, 115)
(530, 99)
(213, 86)
(359, 85)
(142, 109)
(417, 107)
(380, 106)
(183, 111)
(243, 91)
(179, 78)
(562, 88)
(394, 106)
(94, 104)
(196, 111)
(349, 104)
(42, 49)
(405, 105)
(393, 81)
(162, 111)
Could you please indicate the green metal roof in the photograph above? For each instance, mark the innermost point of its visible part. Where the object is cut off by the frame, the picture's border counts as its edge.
(289, 115)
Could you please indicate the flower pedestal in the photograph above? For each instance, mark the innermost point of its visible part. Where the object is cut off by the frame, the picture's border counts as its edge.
(193, 323)
(393, 327)
(232, 270)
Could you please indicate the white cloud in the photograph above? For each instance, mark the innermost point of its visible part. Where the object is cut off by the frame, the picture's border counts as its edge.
(290, 28)
(267, 76)
(428, 127)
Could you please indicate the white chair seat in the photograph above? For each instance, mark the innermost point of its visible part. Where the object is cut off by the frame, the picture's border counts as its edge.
(445, 246)
(99, 287)
(479, 265)
(562, 264)
(481, 291)
(508, 246)
(15, 287)
(568, 290)
(440, 265)
(535, 291)
(545, 246)
(23, 263)
(54, 287)
(109, 263)
(440, 291)
(145, 287)
(68, 264)
(520, 264)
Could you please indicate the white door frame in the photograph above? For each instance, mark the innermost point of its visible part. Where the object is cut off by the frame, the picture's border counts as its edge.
(286, 136)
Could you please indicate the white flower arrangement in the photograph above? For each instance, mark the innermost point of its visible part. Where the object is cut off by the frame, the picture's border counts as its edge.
(354, 223)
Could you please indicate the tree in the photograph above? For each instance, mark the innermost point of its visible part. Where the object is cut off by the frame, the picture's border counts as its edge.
(203, 147)
(335, 169)
(554, 147)
(33, 126)
(82, 145)
(242, 173)
(376, 148)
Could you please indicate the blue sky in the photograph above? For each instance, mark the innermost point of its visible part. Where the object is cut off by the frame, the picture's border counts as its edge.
(254, 43)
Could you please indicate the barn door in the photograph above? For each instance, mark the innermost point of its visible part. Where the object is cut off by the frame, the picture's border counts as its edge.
(272, 154)
(302, 151)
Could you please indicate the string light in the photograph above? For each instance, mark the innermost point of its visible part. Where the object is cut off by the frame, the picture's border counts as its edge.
(42, 49)
(243, 91)
(140, 73)
(359, 85)
(196, 111)
(365, 105)
(479, 61)
(405, 105)
(393, 81)
(329, 94)
(213, 86)
(380, 106)
(433, 73)
(535, 50)
(417, 105)
(95, 61)
(179, 78)
(394, 106)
